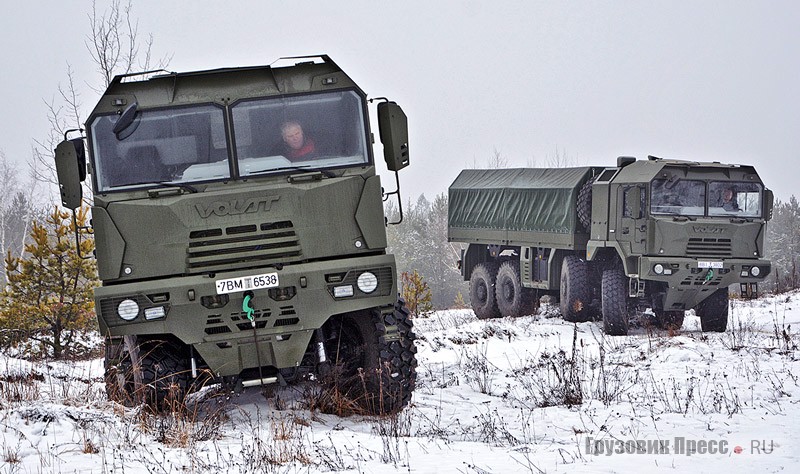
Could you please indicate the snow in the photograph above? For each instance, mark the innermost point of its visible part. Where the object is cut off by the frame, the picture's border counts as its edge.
(532, 394)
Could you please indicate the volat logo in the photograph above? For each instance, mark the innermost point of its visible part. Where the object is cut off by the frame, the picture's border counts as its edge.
(236, 206)
(703, 229)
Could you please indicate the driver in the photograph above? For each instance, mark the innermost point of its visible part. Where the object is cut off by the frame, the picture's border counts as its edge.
(298, 145)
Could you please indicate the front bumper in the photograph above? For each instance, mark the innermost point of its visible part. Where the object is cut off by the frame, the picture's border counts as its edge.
(217, 326)
(691, 280)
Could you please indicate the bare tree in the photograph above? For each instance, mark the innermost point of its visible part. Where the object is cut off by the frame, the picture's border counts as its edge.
(497, 160)
(561, 160)
(114, 45)
(114, 42)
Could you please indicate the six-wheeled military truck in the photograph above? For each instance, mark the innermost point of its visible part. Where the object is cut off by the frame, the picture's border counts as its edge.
(654, 236)
(240, 232)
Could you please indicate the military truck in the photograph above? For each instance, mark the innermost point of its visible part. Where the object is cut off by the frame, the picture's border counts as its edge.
(231, 248)
(653, 237)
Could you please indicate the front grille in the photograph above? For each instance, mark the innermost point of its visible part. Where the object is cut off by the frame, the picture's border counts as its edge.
(243, 246)
(708, 247)
(237, 321)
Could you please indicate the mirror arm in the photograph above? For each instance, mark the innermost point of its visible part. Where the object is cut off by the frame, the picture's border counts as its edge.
(78, 230)
(399, 199)
(73, 130)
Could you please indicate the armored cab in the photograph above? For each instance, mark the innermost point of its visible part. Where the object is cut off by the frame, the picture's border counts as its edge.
(240, 233)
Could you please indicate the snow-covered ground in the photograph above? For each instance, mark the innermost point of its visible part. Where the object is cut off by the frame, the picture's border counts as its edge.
(532, 394)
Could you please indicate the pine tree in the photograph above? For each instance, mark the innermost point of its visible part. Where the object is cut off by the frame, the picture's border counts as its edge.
(416, 293)
(49, 295)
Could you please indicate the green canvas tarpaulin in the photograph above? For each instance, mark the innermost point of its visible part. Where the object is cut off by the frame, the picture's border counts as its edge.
(521, 199)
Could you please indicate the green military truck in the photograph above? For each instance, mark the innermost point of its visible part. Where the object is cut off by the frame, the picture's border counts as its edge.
(240, 233)
(654, 236)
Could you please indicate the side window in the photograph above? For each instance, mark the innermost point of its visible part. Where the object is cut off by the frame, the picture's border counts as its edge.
(633, 202)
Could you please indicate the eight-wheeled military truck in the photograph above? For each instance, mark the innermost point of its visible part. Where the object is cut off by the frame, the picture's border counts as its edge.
(654, 236)
(240, 232)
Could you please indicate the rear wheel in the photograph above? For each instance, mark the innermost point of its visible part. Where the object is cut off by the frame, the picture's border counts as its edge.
(512, 298)
(374, 360)
(574, 296)
(482, 291)
(614, 301)
(713, 312)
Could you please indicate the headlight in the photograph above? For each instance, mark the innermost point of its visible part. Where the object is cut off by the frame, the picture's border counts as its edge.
(128, 310)
(156, 312)
(367, 282)
(658, 268)
(755, 271)
(343, 291)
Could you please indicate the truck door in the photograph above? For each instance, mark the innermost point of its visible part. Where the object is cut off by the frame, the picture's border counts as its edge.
(632, 226)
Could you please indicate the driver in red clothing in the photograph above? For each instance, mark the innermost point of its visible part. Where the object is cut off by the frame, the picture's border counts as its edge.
(298, 145)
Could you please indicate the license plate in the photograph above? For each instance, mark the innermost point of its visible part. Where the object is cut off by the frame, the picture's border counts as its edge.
(708, 264)
(253, 282)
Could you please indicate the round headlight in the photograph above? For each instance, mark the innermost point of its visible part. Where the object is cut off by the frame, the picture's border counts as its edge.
(658, 268)
(367, 282)
(755, 271)
(128, 310)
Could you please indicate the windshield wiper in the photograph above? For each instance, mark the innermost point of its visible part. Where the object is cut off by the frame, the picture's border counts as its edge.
(160, 184)
(327, 173)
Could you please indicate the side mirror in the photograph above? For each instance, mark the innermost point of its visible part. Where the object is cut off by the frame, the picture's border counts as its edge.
(126, 123)
(393, 128)
(769, 201)
(71, 170)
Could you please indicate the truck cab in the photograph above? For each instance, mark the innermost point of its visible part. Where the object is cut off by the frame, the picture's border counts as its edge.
(239, 231)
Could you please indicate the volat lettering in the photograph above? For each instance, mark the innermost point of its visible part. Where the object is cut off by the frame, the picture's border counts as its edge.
(236, 206)
(699, 229)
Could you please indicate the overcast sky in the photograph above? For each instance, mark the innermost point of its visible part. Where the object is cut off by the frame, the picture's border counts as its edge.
(698, 80)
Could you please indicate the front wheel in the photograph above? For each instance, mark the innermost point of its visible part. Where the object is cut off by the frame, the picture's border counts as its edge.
(161, 378)
(614, 301)
(374, 359)
(713, 312)
(574, 291)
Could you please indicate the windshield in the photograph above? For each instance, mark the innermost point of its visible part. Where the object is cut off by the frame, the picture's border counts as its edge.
(731, 198)
(169, 145)
(680, 197)
(189, 144)
(312, 131)
(685, 197)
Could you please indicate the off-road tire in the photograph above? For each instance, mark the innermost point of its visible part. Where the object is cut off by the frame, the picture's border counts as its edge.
(482, 291)
(584, 206)
(374, 361)
(670, 320)
(614, 295)
(574, 291)
(165, 375)
(512, 298)
(713, 312)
